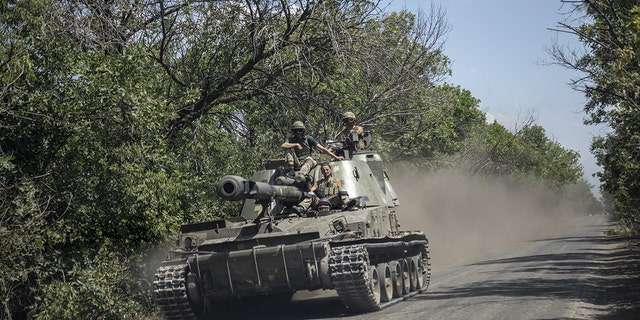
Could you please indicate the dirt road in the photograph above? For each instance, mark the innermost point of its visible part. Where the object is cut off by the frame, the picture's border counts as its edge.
(580, 274)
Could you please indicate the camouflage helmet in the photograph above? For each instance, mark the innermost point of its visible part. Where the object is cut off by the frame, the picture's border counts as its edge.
(297, 125)
(348, 115)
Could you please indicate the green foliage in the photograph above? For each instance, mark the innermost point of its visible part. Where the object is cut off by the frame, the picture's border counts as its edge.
(26, 235)
(613, 64)
(447, 117)
(619, 155)
(610, 31)
(106, 286)
(580, 197)
(526, 154)
(114, 131)
(547, 159)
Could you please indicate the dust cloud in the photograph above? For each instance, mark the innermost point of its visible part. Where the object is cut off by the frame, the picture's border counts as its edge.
(464, 218)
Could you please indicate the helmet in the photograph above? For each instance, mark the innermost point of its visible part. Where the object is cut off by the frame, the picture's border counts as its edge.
(297, 125)
(349, 115)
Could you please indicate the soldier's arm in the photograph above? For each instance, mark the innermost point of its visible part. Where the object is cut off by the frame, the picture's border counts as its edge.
(327, 151)
(288, 145)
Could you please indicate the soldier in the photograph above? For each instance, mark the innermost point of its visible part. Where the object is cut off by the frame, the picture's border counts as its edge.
(330, 188)
(299, 149)
(351, 132)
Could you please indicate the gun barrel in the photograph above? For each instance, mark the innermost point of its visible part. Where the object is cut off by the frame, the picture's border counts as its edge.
(235, 188)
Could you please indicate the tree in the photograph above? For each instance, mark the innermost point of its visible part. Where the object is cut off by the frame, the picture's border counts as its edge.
(581, 198)
(619, 154)
(118, 117)
(610, 66)
(436, 125)
(609, 31)
(82, 174)
(526, 154)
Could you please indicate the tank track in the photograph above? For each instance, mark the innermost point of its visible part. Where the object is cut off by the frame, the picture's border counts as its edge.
(349, 267)
(427, 264)
(170, 292)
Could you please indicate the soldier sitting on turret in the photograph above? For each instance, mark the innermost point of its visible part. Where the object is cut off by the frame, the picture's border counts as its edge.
(299, 149)
(328, 190)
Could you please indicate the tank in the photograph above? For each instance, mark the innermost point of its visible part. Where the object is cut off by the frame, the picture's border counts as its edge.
(271, 250)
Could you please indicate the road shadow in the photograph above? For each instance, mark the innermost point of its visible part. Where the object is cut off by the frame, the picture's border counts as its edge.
(309, 306)
(606, 276)
(620, 284)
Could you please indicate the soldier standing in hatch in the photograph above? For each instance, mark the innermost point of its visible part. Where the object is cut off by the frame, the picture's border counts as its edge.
(350, 129)
(299, 149)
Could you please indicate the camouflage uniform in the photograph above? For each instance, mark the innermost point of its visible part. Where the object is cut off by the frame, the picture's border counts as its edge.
(298, 151)
(331, 188)
(301, 157)
(352, 134)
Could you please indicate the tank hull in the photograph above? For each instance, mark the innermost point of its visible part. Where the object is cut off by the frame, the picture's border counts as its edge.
(206, 279)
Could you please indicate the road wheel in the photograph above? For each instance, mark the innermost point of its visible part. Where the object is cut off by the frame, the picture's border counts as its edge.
(405, 278)
(385, 281)
(419, 272)
(375, 284)
(413, 273)
(396, 278)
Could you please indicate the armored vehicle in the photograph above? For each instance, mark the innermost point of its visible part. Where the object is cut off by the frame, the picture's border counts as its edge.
(271, 250)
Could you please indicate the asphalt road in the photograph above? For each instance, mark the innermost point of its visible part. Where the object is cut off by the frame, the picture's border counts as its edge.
(564, 277)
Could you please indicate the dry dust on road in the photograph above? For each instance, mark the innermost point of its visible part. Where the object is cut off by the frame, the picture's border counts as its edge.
(498, 252)
(579, 275)
(583, 274)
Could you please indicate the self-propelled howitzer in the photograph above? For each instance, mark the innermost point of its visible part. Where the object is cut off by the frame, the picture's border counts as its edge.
(271, 250)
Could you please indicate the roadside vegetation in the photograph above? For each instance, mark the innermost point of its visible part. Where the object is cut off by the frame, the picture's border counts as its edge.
(609, 68)
(118, 117)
